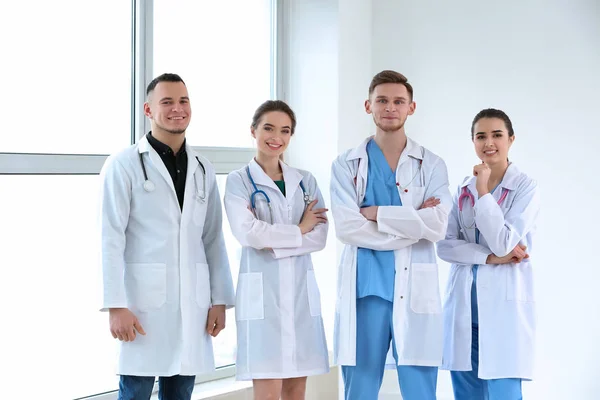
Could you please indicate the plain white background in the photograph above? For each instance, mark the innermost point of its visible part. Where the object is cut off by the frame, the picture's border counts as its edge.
(539, 62)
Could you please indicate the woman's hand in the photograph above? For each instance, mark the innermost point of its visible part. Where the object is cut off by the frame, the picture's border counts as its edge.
(515, 256)
(482, 172)
(312, 217)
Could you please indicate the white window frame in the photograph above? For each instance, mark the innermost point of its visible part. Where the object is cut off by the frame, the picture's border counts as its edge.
(224, 159)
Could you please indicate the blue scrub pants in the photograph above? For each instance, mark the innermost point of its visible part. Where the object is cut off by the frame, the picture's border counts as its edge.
(467, 386)
(374, 333)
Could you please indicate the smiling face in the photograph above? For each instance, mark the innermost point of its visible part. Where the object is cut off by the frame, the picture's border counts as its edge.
(168, 108)
(491, 140)
(390, 104)
(273, 133)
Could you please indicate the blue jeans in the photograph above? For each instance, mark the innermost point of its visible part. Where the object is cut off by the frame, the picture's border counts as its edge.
(177, 387)
(374, 332)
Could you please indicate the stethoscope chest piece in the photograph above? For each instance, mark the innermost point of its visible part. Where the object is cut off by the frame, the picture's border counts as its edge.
(148, 186)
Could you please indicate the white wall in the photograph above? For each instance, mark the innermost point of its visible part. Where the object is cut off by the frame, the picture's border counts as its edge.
(539, 61)
(327, 62)
(355, 72)
(311, 87)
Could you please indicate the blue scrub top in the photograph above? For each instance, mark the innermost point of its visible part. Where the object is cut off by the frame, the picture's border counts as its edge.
(376, 269)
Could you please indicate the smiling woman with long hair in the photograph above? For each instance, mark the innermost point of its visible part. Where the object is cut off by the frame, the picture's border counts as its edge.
(277, 213)
(489, 316)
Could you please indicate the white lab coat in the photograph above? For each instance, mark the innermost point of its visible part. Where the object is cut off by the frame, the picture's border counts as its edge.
(411, 233)
(504, 292)
(167, 265)
(278, 307)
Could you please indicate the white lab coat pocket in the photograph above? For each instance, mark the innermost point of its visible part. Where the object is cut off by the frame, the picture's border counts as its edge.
(519, 282)
(424, 289)
(202, 285)
(314, 297)
(146, 285)
(249, 303)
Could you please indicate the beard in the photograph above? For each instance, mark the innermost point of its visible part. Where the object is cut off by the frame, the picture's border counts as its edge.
(172, 131)
(396, 126)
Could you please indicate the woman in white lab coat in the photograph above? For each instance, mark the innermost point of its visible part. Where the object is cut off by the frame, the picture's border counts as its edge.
(489, 316)
(277, 213)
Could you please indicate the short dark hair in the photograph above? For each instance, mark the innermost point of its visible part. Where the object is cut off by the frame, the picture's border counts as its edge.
(273, 105)
(389, 76)
(493, 113)
(163, 78)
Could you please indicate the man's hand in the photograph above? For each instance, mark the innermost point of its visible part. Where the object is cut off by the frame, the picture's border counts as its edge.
(370, 213)
(215, 322)
(123, 324)
(430, 203)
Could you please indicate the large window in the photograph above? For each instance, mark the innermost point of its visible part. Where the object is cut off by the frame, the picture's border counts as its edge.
(72, 94)
(225, 344)
(223, 52)
(66, 76)
(49, 288)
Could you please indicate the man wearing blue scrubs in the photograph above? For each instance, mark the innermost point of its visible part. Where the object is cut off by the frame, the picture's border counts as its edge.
(391, 214)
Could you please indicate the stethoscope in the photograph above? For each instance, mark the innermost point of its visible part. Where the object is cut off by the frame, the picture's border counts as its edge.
(466, 194)
(149, 185)
(257, 191)
(403, 188)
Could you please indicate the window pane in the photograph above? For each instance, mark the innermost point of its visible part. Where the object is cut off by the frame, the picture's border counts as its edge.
(50, 290)
(222, 50)
(225, 345)
(67, 76)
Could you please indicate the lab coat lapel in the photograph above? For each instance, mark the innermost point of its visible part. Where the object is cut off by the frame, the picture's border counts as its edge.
(360, 157)
(405, 172)
(260, 177)
(157, 162)
(194, 181)
(292, 179)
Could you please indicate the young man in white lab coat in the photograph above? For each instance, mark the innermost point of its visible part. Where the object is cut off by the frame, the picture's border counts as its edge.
(390, 204)
(166, 275)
